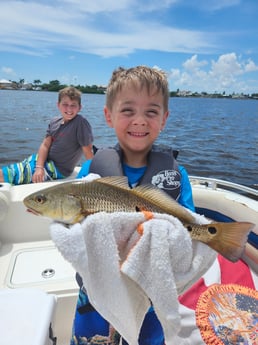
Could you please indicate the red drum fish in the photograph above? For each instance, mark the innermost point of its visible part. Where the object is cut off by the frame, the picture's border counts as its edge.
(70, 202)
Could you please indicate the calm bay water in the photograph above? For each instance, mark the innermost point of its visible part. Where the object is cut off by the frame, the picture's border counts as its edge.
(216, 137)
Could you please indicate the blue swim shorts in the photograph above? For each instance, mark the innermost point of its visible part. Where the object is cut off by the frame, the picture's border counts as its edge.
(21, 173)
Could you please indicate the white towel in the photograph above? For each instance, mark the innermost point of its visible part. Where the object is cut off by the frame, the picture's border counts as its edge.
(123, 270)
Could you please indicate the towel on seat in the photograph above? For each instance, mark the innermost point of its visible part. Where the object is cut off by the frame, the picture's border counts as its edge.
(126, 268)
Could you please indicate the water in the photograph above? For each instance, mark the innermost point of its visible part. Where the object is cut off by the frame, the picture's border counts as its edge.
(216, 137)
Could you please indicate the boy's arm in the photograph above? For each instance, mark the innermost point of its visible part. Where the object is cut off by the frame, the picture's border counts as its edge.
(39, 173)
(87, 151)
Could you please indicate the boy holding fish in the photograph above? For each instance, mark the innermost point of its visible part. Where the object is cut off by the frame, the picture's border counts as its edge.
(67, 137)
(137, 108)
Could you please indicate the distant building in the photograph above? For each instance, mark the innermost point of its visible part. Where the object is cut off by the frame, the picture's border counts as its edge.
(6, 84)
(26, 86)
(184, 93)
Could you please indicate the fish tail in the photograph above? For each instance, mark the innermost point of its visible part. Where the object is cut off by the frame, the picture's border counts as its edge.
(231, 238)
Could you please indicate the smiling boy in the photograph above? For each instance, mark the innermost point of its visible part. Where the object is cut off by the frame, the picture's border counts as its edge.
(137, 108)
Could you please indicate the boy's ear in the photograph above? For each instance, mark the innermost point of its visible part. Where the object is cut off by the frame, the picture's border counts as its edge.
(107, 114)
(164, 120)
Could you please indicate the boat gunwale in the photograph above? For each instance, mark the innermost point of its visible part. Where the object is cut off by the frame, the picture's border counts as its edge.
(216, 184)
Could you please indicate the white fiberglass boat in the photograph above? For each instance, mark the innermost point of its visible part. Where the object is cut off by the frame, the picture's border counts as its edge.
(38, 291)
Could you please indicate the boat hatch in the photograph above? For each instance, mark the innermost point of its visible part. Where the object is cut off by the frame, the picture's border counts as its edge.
(38, 266)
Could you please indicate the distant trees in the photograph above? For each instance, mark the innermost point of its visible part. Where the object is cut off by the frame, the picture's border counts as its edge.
(36, 82)
(91, 89)
(54, 85)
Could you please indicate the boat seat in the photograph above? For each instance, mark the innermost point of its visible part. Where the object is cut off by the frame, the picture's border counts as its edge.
(26, 316)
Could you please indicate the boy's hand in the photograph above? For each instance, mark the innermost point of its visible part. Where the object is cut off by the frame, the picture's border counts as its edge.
(39, 175)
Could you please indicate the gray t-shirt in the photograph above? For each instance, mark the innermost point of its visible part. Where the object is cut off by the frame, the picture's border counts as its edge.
(67, 141)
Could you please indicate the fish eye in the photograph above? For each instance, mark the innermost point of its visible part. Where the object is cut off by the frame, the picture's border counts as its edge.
(40, 199)
(189, 228)
(212, 230)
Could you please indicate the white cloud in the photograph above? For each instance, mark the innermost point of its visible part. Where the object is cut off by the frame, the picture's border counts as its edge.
(8, 71)
(250, 66)
(226, 64)
(175, 74)
(112, 6)
(224, 74)
(97, 6)
(214, 5)
(193, 64)
(105, 28)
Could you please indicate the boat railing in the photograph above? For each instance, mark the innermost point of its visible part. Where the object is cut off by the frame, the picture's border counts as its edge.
(214, 183)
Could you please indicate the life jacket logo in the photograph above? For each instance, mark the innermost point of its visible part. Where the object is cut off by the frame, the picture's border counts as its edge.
(167, 179)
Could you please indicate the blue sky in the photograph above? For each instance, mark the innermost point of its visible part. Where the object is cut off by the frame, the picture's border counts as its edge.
(204, 45)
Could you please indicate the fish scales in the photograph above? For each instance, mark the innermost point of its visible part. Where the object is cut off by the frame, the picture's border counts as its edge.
(147, 197)
(100, 195)
(97, 197)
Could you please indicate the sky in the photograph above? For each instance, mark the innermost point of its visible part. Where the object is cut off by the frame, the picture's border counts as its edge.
(203, 45)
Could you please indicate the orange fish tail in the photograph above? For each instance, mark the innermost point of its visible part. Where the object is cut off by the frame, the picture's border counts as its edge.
(231, 239)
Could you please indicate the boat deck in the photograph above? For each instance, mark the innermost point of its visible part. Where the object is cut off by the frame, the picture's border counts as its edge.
(29, 258)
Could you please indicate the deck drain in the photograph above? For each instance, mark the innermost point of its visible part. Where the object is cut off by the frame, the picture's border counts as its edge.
(48, 273)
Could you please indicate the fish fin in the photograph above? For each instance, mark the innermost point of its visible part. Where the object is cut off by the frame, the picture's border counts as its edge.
(86, 213)
(152, 194)
(78, 219)
(230, 239)
(117, 181)
(161, 199)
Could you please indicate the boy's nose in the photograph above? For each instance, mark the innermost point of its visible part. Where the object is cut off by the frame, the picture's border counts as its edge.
(139, 119)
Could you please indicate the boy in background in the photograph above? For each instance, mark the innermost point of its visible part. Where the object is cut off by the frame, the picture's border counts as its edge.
(67, 138)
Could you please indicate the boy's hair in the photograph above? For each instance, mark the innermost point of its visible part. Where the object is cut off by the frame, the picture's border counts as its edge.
(140, 77)
(70, 91)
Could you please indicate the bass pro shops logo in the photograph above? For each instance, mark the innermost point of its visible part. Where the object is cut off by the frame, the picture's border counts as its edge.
(166, 179)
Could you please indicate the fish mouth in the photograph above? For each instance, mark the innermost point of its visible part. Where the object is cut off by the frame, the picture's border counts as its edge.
(29, 210)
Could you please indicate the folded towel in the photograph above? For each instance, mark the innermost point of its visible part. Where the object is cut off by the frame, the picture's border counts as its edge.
(126, 267)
